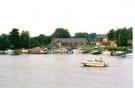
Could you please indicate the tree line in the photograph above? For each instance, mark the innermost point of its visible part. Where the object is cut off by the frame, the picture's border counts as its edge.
(122, 36)
(16, 40)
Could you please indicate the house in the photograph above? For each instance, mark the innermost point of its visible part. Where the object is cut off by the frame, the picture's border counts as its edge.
(105, 42)
(113, 43)
(68, 42)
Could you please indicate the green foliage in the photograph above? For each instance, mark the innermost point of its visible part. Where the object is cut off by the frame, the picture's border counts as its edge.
(85, 51)
(117, 48)
(48, 40)
(100, 37)
(48, 46)
(34, 42)
(41, 40)
(121, 35)
(24, 39)
(111, 34)
(4, 42)
(130, 33)
(93, 36)
(44, 40)
(14, 39)
(61, 33)
(17, 52)
(83, 35)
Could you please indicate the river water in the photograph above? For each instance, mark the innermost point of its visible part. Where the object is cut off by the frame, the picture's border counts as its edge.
(64, 71)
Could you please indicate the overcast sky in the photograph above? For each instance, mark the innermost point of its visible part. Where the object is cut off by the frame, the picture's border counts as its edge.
(44, 16)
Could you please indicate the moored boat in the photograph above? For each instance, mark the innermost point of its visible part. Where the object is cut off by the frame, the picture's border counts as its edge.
(129, 53)
(117, 53)
(95, 52)
(9, 51)
(106, 52)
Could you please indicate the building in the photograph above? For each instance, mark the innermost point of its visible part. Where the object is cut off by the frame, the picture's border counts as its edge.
(105, 42)
(71, 42)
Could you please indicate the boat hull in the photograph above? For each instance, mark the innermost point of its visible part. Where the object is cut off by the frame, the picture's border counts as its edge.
(94, 64)
(127, 55)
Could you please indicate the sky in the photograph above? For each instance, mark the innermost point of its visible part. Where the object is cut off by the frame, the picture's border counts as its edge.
(44, 16)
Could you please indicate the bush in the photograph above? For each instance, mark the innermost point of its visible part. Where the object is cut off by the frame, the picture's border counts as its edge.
(86, 51)
(17, 52)
(117, 48)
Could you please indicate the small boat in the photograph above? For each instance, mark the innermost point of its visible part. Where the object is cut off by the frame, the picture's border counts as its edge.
(95, 63)
(95, 52)
(106, 53)
(117, 53)
(129, 53)
(9, 51)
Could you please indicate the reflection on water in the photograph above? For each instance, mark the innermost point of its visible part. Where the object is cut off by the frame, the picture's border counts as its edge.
(64, 71)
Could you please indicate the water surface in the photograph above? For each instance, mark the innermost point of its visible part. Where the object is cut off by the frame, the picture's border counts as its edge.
(64, 71)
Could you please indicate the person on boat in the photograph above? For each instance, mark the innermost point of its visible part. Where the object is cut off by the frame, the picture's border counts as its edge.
(99, 60)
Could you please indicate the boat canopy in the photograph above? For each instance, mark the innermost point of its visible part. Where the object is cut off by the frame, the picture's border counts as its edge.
(130, 51)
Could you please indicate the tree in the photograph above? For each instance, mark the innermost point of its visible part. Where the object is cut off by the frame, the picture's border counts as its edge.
(111, 34)
(82, 35)
(4, 42)
(24, 39)
(93, 36)
(99, 37)
(48, 40)
(61, 33)
(122, 38)
(41, 40)
(121, 35)
(44, 40)
(14, 39)
(130, 33)
(34, 42)
(1, 43)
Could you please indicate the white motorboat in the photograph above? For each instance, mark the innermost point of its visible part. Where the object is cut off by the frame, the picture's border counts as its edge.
(95, 63)
(106, 52)
(9, 51)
